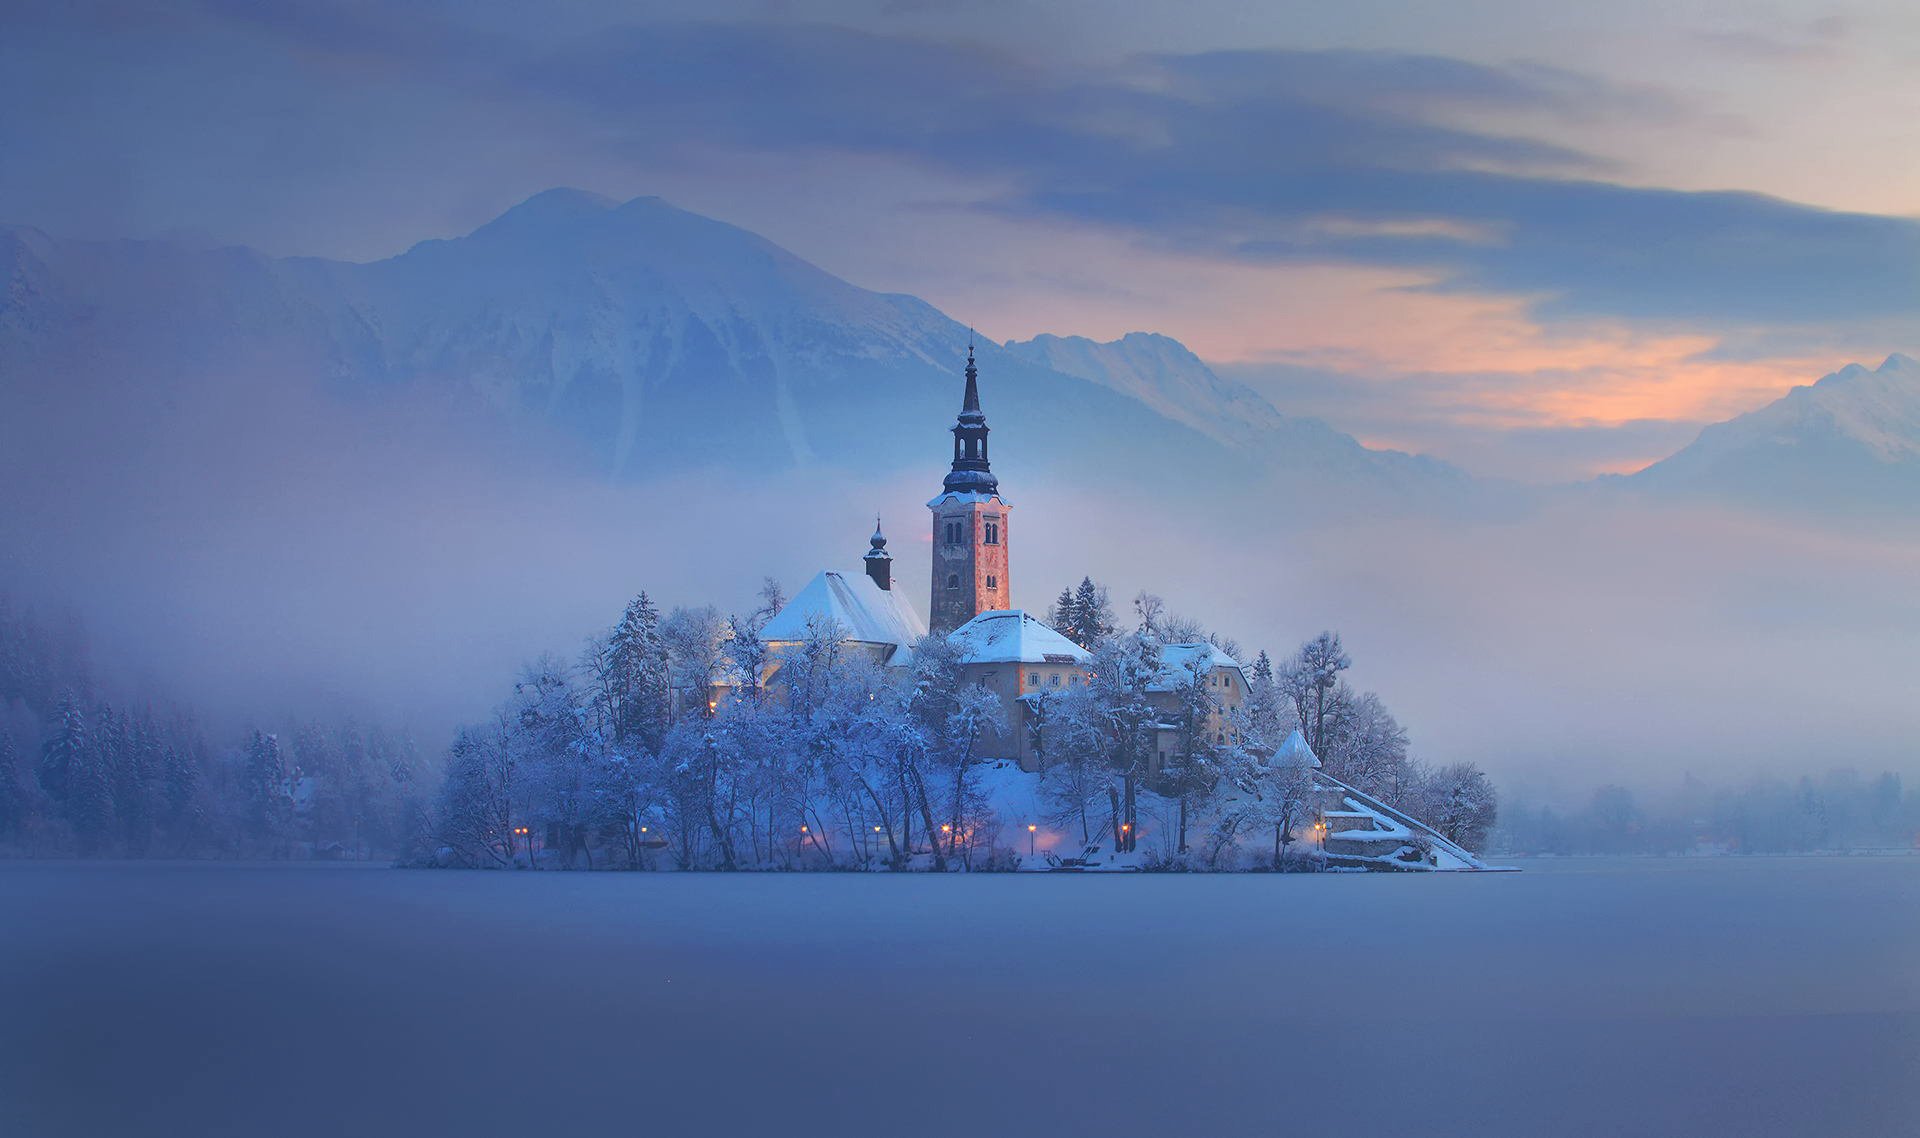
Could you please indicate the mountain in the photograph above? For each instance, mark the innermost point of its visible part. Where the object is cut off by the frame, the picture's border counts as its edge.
(1161, 373)
(657, 341)
(1848, 443)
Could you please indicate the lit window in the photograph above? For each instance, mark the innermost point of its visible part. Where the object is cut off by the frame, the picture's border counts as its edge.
(953, 580)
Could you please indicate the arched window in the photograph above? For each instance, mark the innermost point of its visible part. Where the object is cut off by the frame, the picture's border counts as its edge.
(953, 580)
(993, 582)
(992, 532)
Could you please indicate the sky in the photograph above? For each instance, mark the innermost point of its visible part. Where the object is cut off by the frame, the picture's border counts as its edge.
(1540, 241)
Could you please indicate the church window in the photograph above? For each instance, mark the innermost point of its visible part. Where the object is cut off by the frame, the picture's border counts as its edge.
(953, 534)
(953, 580)
(992, 528)
(993, 582)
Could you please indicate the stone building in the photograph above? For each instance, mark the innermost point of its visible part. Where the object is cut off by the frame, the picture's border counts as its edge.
(1182, 665)
(1017, 656)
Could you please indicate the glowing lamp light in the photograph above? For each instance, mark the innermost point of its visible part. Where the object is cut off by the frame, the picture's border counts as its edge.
(1031, 829)
(946, 829)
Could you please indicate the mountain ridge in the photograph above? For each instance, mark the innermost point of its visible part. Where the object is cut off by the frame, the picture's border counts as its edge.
(1850, 442)
(659, 338)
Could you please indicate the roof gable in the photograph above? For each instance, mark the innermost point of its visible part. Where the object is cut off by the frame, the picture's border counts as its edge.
(1179, 661)
(1005, 636)
(867, 613)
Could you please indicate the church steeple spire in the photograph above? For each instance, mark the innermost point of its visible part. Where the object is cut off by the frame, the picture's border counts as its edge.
(972, 401)
(969, 524)
(879, 561)
(970, 473)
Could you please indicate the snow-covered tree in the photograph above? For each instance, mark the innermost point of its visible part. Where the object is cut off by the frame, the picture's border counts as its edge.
(266, 807)
(1076, 776)
(15, 806)
(1124, 668)
(696, 642)
(1459, 801)
(1367, 748)
(1312, 681)
(1193, 768)
(1083, 614)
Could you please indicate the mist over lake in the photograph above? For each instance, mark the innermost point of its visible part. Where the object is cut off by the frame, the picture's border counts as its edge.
(1757, 996)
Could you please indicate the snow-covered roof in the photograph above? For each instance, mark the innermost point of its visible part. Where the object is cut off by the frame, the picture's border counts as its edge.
(1005, 636)
(1176, 660)
(1295, 748)
(966, 496)
(868, 613)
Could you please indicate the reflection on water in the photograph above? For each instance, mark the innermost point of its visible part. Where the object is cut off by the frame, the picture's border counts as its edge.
(1739, 997)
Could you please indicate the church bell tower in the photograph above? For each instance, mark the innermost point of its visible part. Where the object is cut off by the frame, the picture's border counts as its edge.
(969, 525)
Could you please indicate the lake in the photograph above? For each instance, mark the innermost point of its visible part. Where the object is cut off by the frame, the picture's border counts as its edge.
(1775, 996)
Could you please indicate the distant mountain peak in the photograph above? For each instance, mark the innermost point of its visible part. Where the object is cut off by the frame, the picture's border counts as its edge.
(1848, 441)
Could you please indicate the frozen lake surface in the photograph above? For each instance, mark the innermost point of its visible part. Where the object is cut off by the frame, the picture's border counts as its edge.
(1661, 998)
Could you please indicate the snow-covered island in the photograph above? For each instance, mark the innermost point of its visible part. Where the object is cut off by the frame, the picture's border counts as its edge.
(839, 730)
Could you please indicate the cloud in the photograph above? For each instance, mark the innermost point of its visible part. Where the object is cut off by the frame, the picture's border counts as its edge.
(1272, 156)
(1261, 157)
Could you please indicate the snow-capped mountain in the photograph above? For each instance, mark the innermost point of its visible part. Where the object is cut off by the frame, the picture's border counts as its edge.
(659, 340)
(1847, 443)
(1161, 373)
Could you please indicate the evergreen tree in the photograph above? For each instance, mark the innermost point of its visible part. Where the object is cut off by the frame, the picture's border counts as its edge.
(65, 752)
(1064, 616)
(14, 805)
(180, 797)
(1093, 613)
(263, 790)
(634, 681)
(133, 782)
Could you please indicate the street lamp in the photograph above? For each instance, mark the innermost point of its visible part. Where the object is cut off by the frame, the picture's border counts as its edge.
(1031, 828)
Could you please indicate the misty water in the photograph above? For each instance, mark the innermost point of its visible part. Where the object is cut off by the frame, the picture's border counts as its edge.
(1657, 997)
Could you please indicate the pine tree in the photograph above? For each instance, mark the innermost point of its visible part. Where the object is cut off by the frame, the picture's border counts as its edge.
(636, 679)
(1064, 616)
(263, 790)
(1094, 612)
(13, 793)
(180, 796)
(133, 785)
(65, 752)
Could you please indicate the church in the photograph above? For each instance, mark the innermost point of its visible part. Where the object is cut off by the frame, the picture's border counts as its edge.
(1008, 650)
